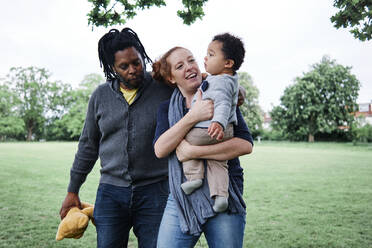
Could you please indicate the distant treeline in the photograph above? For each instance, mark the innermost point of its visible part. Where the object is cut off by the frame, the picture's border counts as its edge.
(319, 105)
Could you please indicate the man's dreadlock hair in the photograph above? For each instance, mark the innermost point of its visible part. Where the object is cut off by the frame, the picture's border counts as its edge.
(114, 41)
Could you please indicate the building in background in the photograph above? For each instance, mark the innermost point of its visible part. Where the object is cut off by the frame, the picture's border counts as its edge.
(364, 114)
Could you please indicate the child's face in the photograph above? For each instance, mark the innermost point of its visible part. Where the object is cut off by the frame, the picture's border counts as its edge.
(215, 61)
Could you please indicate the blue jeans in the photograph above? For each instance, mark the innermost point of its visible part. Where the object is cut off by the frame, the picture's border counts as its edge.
(118, 209)
(223, 230)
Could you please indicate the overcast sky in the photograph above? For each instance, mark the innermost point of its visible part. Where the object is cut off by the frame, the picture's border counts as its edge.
(282, 39)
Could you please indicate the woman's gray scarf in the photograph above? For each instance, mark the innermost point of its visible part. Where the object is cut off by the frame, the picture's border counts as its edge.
(196, 208)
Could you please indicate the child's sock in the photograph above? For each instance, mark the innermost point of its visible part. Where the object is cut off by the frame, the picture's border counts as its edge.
(189, 186)
(220, 204)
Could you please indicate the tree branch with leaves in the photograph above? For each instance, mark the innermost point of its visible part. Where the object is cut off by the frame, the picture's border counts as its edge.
(355, 14)
(111, 12)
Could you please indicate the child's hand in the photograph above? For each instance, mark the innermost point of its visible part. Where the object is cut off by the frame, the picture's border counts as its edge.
(215, 130)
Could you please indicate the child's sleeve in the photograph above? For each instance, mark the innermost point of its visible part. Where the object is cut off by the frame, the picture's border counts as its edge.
(223, 93)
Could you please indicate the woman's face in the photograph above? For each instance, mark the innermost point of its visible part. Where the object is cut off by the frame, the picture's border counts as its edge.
(185, 72)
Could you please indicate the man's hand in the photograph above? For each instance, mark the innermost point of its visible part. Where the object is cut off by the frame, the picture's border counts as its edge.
(202, 110)
(71, 200)
(241, 95)
(215, 130)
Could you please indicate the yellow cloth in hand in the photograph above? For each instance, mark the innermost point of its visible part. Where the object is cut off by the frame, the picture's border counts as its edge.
(75, 222)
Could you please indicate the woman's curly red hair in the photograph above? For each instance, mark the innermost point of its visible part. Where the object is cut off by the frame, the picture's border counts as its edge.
(161, 69)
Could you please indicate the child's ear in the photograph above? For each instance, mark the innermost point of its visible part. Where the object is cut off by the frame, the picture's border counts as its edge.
(229, 63)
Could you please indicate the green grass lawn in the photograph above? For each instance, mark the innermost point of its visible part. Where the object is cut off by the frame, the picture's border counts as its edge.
(297, 194)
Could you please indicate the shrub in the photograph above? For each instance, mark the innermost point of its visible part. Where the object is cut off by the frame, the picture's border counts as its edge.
(362, 134)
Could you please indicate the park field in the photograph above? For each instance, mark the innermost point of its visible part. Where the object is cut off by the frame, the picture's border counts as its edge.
(298, 195)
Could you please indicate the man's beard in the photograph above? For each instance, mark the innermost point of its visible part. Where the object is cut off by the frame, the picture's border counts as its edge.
(126, 83)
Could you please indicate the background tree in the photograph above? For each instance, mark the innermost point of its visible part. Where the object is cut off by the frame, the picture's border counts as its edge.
(39, 98)
(70, 124)
(60, 96)
(11, 125)
(108, 13)
(319, 102)
(30, 84)
(356, 14)
(251, 110)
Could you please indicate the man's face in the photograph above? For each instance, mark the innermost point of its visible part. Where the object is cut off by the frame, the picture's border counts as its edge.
(129, 65)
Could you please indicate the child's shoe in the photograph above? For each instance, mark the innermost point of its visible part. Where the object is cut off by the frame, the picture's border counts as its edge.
(220, 204)
(189, 186)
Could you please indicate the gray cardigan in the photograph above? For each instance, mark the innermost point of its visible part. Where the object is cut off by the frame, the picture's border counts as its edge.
(121, 136)
(223, 90)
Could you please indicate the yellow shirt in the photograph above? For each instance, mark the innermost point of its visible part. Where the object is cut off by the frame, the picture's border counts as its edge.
(129, 95)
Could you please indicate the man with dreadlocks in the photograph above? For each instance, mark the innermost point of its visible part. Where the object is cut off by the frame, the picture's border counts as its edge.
(119, 129)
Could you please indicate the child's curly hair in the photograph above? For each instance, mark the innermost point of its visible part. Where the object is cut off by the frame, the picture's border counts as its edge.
(232, 47)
